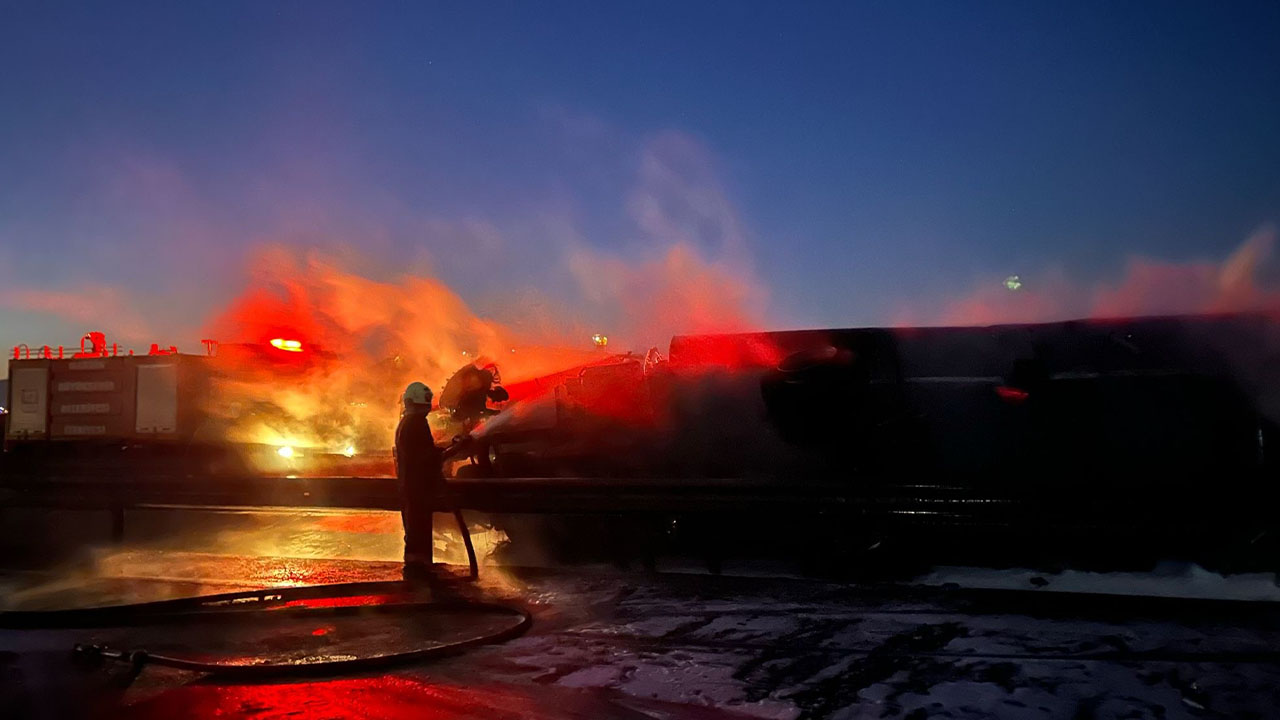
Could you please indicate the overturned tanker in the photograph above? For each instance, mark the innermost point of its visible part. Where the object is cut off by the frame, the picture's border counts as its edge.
(1147, 401)
(1105, 442)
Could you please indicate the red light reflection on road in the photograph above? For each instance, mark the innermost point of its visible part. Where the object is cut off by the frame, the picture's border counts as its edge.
(389, 697)
(350, 601)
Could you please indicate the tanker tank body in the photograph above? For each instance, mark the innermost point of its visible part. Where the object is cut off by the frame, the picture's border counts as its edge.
(1138, 403)
(1132, 402)
(1092, 436)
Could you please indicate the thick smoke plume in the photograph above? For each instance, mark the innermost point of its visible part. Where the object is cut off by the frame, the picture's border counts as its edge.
(690, 269)
(677, 292)
(368, 334)
(364, 338)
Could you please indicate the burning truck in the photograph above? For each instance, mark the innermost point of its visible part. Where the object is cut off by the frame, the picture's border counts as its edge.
(1104, 403)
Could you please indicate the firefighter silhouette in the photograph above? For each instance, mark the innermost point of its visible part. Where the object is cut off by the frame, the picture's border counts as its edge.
(469, 391)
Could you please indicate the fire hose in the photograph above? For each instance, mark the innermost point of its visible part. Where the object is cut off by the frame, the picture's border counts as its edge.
(286, 604)
(214, 610)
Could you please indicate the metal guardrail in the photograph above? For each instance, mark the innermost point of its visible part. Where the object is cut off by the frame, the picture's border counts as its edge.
(916, 504)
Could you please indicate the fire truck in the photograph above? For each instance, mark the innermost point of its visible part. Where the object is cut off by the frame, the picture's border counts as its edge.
(99, 408)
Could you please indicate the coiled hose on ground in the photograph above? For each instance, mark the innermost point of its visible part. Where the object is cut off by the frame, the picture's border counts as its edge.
(311, 603)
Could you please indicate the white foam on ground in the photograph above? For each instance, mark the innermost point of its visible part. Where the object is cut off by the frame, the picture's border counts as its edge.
(1169, 579)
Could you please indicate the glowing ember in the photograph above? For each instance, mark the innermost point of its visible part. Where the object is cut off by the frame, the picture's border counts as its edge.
(286, 345)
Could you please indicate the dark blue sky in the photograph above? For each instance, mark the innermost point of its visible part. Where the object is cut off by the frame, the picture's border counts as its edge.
(863, 156)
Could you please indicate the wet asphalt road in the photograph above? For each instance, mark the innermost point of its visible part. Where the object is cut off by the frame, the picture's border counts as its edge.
(615, 644)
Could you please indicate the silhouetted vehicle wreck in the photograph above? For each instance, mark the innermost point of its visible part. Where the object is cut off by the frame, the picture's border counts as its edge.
(1140, 402)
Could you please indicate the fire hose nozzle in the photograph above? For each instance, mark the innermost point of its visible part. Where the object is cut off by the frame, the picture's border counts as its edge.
(460, 444)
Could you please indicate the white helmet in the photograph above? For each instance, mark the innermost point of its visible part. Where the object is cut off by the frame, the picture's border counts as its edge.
(416, 394)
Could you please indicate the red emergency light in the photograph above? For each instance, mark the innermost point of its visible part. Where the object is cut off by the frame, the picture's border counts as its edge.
(92, 345)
